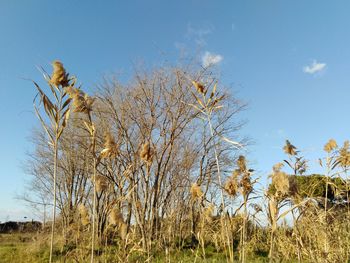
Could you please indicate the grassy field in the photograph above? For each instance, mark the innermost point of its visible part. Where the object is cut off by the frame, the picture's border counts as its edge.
(21, 248)
(27, 248)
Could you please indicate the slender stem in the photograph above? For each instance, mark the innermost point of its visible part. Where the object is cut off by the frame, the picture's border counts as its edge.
(93, 212)
(348, 210)
(244, 230)
(325, 205)
(54, 197)
(55, 160)
(221, 189)
(271, 246)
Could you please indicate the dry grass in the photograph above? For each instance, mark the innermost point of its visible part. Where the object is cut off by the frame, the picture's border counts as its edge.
(126, 178)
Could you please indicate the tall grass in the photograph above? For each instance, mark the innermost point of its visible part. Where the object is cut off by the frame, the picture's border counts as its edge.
(57, 112)
(158, 175)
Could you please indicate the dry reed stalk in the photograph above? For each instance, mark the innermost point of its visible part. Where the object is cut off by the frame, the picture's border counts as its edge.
(298, 165)
(241, 181)
(58, 113)
(330, 146)
(123, 231)
(281, 183)
(344, 161)
(83, 104)
(207, 105)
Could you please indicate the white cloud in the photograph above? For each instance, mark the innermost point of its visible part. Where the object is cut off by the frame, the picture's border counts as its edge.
(199, 33)
(210, 59)
(314, 67)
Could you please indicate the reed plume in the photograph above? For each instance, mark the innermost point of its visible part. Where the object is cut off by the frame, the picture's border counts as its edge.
(59, 76)
(101, 183)
(110, 149)
(289, 148)
(81, 101)
(147, 153)
(116, 217)
(199, 87)
(344, 155)
(196, 191)
(231, 186)
(330, 145)
(280, 180)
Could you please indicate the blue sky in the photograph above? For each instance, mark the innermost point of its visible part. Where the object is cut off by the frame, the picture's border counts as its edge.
(289, 60)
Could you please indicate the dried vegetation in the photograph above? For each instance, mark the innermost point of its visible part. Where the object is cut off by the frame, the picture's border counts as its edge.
(151, 169)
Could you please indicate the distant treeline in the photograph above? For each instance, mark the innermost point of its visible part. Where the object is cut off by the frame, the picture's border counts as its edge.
(11, 226)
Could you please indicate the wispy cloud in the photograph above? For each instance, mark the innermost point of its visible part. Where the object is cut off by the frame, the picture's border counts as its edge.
(199, 33)
(314, 67)
(210, 59)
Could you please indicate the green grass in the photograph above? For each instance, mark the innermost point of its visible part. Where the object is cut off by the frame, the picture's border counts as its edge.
(21, 248)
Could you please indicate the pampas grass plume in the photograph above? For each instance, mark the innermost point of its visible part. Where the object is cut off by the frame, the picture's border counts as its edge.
(101, 183)
(146, 153)
(289, 148)
(231, 186)
(330, 145)
(280, 180)
(110, 147)
(59, 76)
(199, 87)
(196, 191)
(116, 217)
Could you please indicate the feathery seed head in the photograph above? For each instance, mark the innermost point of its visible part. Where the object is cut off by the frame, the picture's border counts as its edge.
(146, 153)
(246, 184)
(330, 145)
(196, 191)
(81, 101)
(344, 155)
(101, 183)
(277, 167)
(289, 148)
(280, 181)
(199, 87)
(116, 217)
(231, 186)
(241, 163)
(59, 76)
(110, 147)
